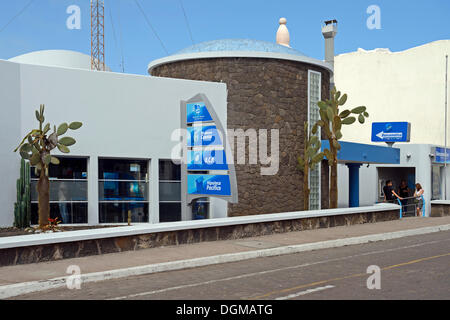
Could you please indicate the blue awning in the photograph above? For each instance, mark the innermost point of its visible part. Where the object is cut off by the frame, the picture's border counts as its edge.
(365, 153)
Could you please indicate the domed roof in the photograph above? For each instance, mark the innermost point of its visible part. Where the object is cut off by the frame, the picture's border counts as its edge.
(240, 45)
(56, 58)
(238, 48)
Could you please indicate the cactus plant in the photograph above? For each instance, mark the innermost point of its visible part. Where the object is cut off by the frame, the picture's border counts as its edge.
(331, 121)
(311, 157)
(22, 208)
(36, 148)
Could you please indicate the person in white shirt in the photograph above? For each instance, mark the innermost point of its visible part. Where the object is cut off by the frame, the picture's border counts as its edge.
(418, 195)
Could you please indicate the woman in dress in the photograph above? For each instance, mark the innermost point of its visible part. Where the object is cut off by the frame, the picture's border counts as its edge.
(418, 195)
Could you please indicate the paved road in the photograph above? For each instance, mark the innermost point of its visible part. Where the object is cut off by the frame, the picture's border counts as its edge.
(411, 268)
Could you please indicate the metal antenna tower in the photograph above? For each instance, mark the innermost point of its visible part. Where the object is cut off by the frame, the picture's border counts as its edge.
(98, 35)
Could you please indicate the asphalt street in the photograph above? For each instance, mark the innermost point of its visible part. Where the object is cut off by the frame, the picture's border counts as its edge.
(409, 268)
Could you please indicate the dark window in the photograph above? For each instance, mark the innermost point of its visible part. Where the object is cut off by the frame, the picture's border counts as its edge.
(169, 191)
(68, 191)
(123, 189)
(117, 212)
(169, 212)
(169, 171)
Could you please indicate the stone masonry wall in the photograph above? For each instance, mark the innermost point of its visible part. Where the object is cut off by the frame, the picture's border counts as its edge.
(262, 94)
(440, 210)
(78, 249)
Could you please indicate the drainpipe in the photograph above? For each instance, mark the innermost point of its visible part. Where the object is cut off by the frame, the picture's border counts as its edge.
(446, 93)
(329, 31)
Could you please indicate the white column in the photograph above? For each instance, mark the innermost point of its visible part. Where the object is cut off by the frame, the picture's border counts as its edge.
(93, 212)
(154, 191)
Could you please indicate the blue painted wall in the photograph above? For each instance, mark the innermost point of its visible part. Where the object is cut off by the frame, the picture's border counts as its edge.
(365, 153)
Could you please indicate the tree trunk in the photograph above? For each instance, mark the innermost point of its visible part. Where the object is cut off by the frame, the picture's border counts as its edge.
(333, 187)
(306, 190)
(43, 189)
(333, 178)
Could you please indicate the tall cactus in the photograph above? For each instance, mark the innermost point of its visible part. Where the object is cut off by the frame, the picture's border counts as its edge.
(36, 148)
(311, 157)
(331, 121)
(22, 208)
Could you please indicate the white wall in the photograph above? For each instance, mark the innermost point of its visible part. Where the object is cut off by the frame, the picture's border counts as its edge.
(396, 86)
(10, 135)
(125, 116)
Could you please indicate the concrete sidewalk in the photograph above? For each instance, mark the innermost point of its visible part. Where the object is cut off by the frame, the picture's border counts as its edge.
(93, 264)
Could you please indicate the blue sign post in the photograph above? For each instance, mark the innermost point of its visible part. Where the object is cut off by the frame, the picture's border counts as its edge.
(197, 112)
(207, 169)
(203, 136)
(391, 132)
(209, 185)
(207, 160)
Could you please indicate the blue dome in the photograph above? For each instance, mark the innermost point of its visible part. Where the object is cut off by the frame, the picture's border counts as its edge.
(240, 45)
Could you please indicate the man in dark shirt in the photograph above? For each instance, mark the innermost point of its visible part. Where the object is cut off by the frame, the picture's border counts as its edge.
(389, 193)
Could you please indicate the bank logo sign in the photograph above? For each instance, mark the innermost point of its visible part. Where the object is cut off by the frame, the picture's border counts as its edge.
(197, 112)
(442, 155)
(391, 131)
(207, 168)
(204, 160)
(204, 184)
(203, 136)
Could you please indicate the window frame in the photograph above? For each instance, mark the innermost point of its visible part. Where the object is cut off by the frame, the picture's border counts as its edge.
(319, 134)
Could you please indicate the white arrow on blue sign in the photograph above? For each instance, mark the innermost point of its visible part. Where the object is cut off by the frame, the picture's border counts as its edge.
(391, 131)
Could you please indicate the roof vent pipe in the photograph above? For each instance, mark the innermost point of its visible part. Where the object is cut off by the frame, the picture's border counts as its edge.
(283, 37)
(329, 31)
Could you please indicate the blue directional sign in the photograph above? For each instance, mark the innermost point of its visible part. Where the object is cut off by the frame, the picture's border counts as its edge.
(391, 131)
(204, 184)
(441, 156)
(206, 160)
(203, 136)
(197, 112)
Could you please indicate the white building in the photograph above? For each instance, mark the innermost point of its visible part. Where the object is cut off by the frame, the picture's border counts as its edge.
(407, 86)
(127, 118)
(397, 86)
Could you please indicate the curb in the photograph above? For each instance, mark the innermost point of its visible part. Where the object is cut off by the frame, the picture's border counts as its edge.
(18, 289)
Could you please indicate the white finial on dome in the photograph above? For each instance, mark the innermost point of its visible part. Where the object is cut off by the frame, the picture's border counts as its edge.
(283, 36)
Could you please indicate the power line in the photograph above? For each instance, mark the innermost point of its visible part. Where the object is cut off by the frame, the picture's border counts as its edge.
(17, 15)
(151, 27)
(187, 21)
(121, 38)
(115, 37)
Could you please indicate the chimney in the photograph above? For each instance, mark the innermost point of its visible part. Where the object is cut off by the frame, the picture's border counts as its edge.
(329, 31)
(283, 36)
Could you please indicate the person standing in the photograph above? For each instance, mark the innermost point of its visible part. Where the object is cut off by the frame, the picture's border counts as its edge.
(404, 192)
(418, 195)
(389, 193)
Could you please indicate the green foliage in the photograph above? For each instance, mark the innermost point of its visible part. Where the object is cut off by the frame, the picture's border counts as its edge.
(22, 208)
(311, 156)
(332, 120)
(36, 148)
(37, 145)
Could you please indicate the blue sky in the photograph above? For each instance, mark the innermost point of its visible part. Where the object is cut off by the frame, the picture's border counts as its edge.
(404, 24)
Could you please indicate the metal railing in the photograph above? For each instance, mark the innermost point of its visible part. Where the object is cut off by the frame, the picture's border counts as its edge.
(409, 205)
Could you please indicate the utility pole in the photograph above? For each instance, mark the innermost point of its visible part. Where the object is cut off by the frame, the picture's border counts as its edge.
(98, 35)
(446, 120)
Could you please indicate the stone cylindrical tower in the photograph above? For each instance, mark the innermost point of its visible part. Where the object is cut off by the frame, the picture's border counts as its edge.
(269, 87)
